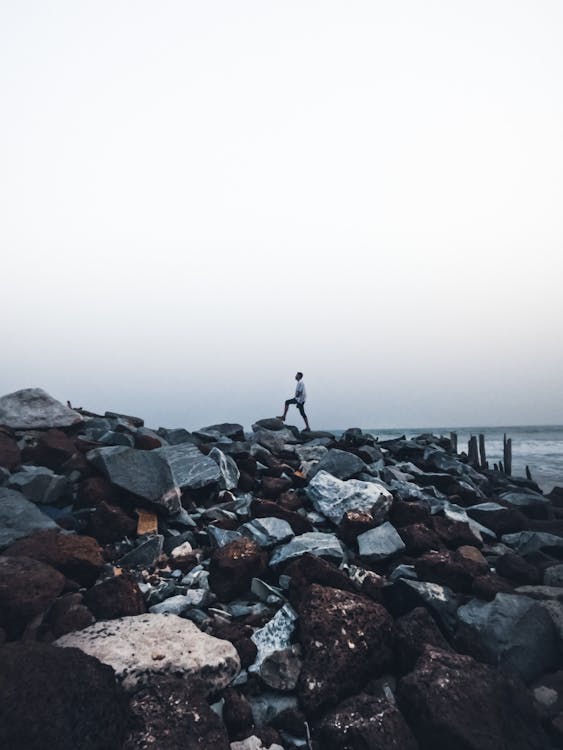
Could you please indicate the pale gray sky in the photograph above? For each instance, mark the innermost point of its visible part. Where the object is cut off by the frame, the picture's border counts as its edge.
(200, 198)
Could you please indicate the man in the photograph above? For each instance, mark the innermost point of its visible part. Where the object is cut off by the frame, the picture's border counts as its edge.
(298, 400)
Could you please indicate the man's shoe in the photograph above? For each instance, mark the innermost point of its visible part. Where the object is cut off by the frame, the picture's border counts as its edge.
(282, 418)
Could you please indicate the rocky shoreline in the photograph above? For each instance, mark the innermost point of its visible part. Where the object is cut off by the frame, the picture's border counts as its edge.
(275, 589)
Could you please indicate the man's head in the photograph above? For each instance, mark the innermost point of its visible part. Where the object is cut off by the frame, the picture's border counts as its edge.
(299, 376)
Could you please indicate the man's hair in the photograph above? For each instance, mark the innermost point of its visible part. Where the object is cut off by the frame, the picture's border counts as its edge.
(300, 373)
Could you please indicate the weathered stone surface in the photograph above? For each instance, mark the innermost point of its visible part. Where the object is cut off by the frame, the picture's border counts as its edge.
(10, 454)
(139, 648)
(227, 467)
(413, 632)
(380, 543)
(527, 501)
(512, 631)
(354, 523)
(115, 597)
(41, 706)
(280, 670)
(267, 532)
(237, 713)
(77, 557)
(27, 588)
(455, 533)
(363, 722)
(38, 484)
(315, 542)
(181, 603)
(254, 743)
(33, 408)
(529, 542)
(274, 636)
(340, 464)
(169, 714)
(233, 567)
(451, 701)
(19, 517)
(333, 497)
(345, 638)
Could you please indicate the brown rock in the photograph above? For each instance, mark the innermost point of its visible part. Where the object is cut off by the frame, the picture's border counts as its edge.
(10, 454)
(239, 636)
(237, 714)
(346, 639)
(27, 588)
(147, 442)
(413, 632)
(354, 523)
(53, 449)
(273, 487)
(110, 523)
(78, 557)
(115, 597)
(452, 701)
(518, 570)
(68, 614)
(454, 534)
(439, 567)
(270, 509)
(308, 569)
(402, 513)
(488, 586)
(233, 567)
(246, 482)
(169, 715)
(94, 491)
(363, 722)
(418, 539)
(58, 698)
(472, 560)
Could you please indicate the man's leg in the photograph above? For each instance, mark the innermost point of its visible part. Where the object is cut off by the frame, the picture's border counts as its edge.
(287, 405)
(302, 410)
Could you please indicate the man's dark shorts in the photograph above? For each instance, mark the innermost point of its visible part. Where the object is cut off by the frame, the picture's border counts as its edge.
(298, 405)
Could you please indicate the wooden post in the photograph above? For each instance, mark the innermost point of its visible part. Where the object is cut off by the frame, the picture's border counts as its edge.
(507, 454)
(473, 452)
(453, 442)
(482, 452)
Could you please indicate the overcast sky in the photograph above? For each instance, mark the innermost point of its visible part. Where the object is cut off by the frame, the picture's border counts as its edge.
(200, 198)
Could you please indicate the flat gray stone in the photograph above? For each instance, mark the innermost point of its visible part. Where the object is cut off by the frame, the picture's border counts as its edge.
(177, 605)
(267, 532)
(380, 543)
(333, 497)
(35, 409)
(38, 484)
(315, 542)
(19, 517)
(139, 648)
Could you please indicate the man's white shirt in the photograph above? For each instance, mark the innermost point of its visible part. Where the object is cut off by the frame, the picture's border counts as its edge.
(300, 392)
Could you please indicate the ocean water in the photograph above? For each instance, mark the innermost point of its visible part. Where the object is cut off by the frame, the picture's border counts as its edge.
(538, 446)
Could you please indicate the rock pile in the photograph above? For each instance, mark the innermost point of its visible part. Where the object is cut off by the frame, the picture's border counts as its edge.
(278, 589)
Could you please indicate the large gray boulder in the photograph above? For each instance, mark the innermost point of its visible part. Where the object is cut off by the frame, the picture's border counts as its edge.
(191, 469)
(341, 464)
(227, 467)
(315, 542)
(514, 632)
(34, 409)
(333, 497)
(19, 517)
(525, 499)
(267, 532)
(139, 648)
(380, 543)
(529, 542)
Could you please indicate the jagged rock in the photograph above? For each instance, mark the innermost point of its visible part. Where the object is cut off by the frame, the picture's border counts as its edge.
(553, 576)
(308, 569)
(380, 543)
(53, 449)
(38, 484)
(219, 537)
(181, 603)
(115, 597)
(27, 588)
(413, 632)
(403, 514)
(454, 533)
(340, 464)
(271, 423)
(274, 440)
(315, 542)
(230, 430)
(42, 708)
(418, 539)
(512, 631)
(267, 532)
(354, 523)
(345, 638)
(10, 454)
(362, 722)
(526, 501)
(34, 409)
(268, 509)
(146, 553)
(93, 491)
(273, 487)
(518, 570)
(441, 568)
(274, 636)
(451, 701)
(441, 601)
(19, 517)
(77, 557)
(333, 497)
(233, 567)
(499, 519)
(139, 648)
(541, 593)
(237, 713)
(229, 470)
(488, 586)
(280, 670)
(529, 542)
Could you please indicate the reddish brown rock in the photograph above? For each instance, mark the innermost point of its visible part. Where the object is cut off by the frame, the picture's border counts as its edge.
(273, 487)
(170, 714)
(27, 588)
(115, 597)
(10, 454)
(270, 509)
(77, 557)
(147, 443)
(488, 586)
(237, 714)
(363, 722)
(233, 567)
(94, 491)
(472, 560)
(346, 639)
(246, 482)
(239, 636)
(68, 614)
(110, 523)
(418, 539)
(413, 632)
(354, 523)
(439, 567)
(518, 570)
(452, 701)
(454, 534)
(53, 449)
(308, 569)
(405, 514)
(58, 698)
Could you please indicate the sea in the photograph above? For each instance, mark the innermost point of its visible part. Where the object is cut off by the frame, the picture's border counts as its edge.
(540, 447)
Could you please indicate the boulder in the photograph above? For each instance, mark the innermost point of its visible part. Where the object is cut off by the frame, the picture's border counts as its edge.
(418, 538)
(512, 631)
(230, 430)
(499, 519)
(531, 503)
(115, 597)
(140, 648)
(267, 532)
(237, 713)
(315, 542)
(34, 409)
(93, 491)
(280, 670)
(169, 714)
(340, 464)
(274, 636)
(529, 542)
(42, 707)
(333, 497)
(38, 484)
(227, 467)
(53, 449)
(441, 602)
(308, 569)
(365, 721)
(273, 487)
(27, 588)
(267, 509)
(346, 639)
(354, 523)
(10, 454)
(77, 557)
(110, 523)
(19, 517)
(452, 701)
(518, 570)
(442, 568)
(270, 423)
(413, 632)
(380, 543)
(233, 567)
